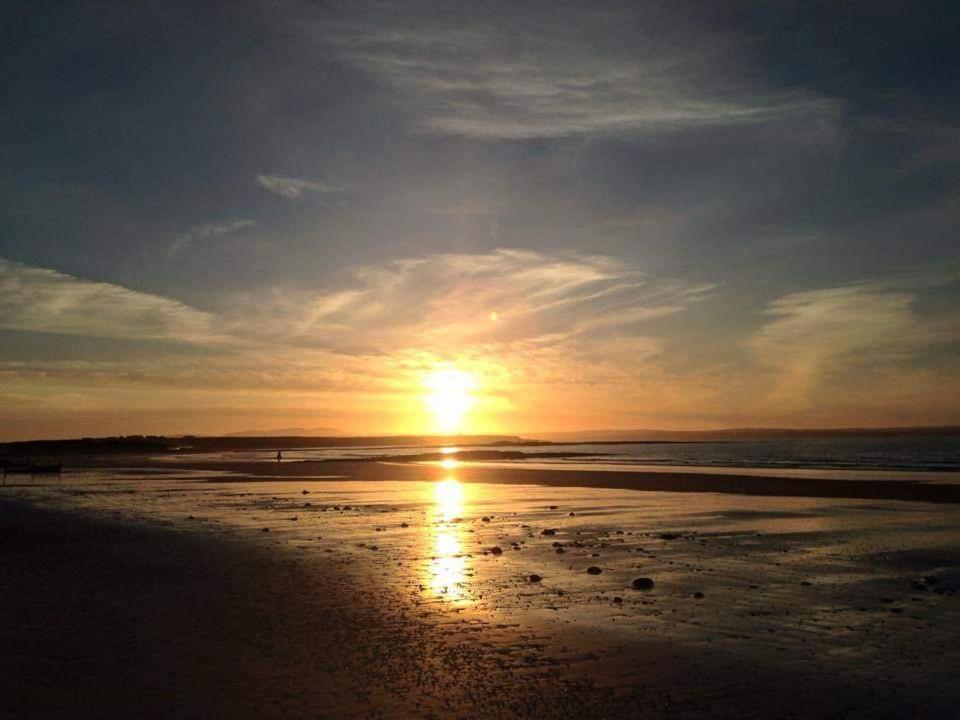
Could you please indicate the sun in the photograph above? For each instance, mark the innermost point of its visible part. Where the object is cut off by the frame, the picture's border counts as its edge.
(449, 396)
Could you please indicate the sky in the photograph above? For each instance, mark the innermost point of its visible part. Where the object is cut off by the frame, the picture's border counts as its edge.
(398, 217)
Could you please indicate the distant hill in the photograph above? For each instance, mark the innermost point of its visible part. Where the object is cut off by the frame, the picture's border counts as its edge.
(738, 434)
(158, 444)
(291, 432)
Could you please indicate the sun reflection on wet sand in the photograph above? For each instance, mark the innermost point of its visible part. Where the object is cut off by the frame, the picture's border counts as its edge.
(446, 572)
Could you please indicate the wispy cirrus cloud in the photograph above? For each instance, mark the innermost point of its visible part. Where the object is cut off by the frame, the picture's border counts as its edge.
(530, 72)
(836, 336)
(205, 231)
(295, 188)
(42, 300)
(439, 305)
(447, 302)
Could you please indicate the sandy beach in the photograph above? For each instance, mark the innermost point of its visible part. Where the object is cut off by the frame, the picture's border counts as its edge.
(185, 592)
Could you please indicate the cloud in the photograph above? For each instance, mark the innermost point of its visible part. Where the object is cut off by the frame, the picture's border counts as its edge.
(533, 327)
(295, 187)
(534, 74)
(443, 302)
(840, 335)
(539, 314)
(204, 232)
(41, 300)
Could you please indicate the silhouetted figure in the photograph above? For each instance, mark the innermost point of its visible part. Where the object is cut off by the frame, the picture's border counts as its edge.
(279, 456)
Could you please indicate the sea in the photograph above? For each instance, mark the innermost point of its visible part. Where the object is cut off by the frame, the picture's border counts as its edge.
(898, 456)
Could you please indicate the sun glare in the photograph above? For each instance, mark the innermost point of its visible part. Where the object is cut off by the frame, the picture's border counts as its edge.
(449, 396)
(446, 572)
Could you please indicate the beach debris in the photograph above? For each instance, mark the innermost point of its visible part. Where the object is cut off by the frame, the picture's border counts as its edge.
(552, 507)
(643, 583)
(698, 595)
(594, 570)
(618, 600)
(559, 551)
(265, 530)
(534, 578)
(668, 536)
(306, 492)
(496, 550)
(404, 525)
(548, 531)
(806, 583)
(485, 519)
(571, 514)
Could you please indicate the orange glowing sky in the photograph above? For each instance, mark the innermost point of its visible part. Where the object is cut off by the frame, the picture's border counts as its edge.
(436, 217)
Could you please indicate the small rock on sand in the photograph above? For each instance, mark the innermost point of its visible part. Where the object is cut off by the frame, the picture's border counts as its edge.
(698, 595)
(534, 578)
(496, 550)
(594, 570)
(548, 531)
(668, 536)
(643, 583)
(485, 519)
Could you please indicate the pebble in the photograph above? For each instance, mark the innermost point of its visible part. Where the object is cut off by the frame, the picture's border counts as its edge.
(643, 583)
(594, 570)
(548, 531)
(534, 578)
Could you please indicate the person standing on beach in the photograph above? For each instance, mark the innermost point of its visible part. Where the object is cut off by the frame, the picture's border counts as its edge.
(279, 456)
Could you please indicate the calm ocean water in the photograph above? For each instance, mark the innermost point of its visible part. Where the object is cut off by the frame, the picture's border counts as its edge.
(915, 454)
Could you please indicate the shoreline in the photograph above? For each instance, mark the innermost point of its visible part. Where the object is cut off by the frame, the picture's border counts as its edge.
(654, 481)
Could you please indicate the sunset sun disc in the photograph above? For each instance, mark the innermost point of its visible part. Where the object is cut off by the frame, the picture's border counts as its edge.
(449, 396)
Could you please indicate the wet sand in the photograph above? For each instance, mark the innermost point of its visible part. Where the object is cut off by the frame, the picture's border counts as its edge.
(190, 594)
(733, 482)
